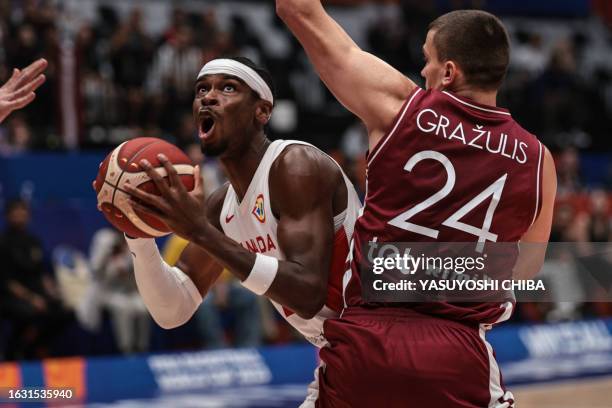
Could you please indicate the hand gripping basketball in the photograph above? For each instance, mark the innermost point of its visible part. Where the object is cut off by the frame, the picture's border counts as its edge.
(184, 212)
(121, 168)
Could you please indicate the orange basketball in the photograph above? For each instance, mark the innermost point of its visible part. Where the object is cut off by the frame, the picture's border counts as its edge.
(121, 167)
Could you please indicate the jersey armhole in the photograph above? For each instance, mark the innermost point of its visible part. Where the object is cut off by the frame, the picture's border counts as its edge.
(214, 215)
(539, 176)
(395, 124)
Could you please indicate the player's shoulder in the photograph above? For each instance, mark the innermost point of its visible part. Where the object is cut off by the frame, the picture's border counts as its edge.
(214, 204)
(460, 103)
(300, 177)
(298, 159)
(519, 129)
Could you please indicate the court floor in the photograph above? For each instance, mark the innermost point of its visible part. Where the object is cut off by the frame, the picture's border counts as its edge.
(585, 393)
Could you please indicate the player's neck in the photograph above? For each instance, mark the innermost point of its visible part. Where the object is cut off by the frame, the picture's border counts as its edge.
(241, 168)
(483, 97)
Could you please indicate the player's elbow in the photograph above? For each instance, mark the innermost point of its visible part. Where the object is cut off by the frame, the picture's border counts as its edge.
(283, 8)
(314, 300)
(168, 323)
(309, 311)
(292, 9)
(172, 319)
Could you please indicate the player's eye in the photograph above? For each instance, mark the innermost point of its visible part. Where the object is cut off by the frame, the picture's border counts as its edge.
(201, 90)
(229, 88)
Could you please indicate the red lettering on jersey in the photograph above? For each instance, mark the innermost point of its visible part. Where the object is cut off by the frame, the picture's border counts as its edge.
(270, 243)
(261, 244)
(251, 246)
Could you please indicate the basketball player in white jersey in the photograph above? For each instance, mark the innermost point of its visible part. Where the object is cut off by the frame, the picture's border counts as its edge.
(281, 226)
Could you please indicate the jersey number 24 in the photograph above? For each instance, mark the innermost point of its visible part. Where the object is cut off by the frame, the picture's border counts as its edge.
(483, 233)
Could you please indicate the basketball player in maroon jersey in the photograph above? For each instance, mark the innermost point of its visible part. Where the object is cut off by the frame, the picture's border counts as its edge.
(445, 164)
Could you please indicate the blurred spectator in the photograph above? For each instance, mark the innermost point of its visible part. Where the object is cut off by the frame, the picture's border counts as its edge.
(206, 29)
(32, 37)
(131, 51)
(568, 172)
(111, 264)
(529, 53)
(30, 298)
(96, 95)
(179, 19)
(176, 65)
(17, 137)
(229, 297)
(596, 224)
(172, 76)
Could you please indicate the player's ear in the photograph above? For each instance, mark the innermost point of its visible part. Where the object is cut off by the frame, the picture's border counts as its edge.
(263, 111)
(451, 72)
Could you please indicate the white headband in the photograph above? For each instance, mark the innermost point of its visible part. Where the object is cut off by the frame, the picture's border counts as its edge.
(239, 70)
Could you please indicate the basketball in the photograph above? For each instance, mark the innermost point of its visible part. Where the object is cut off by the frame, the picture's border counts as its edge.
(121, 167)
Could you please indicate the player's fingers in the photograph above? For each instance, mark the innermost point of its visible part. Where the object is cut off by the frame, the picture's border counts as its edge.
(198, 186)
(161, 184)
(143, 196)
(93, 185)
(29, 87)
(140, 207)
(21, 102)
(173, 177)
(10, 84)
(31, 71)
(138, 193)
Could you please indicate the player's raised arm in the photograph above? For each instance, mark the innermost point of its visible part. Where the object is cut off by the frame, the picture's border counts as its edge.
(367, 86)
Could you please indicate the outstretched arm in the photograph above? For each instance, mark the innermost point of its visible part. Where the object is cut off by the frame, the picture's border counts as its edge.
(305, 231)
(18, 91)
(367, 86)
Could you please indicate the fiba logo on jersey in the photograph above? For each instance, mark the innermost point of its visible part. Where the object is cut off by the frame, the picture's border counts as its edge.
(258, 210)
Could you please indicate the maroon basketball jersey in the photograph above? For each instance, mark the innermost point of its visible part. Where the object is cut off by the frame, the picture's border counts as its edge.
(449, 170)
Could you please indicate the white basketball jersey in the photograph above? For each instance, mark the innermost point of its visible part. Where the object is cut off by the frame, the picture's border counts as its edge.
(252, 224)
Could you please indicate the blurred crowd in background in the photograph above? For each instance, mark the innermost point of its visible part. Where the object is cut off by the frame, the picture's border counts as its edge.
(111, 78)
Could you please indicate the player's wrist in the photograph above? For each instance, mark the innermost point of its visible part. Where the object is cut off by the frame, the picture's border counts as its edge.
(137, 245)
(262, 274)
(202, 234)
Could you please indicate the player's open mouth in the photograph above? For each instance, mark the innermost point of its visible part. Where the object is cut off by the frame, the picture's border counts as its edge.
(206, 127)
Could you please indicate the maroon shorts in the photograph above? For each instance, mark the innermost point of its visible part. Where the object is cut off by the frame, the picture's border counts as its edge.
(391, 357)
